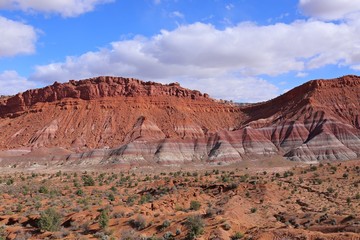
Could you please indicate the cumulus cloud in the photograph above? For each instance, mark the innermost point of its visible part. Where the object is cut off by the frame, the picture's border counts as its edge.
(66, 8)
(330, 9)
(16, 38)
(223, 62)
(11, 83)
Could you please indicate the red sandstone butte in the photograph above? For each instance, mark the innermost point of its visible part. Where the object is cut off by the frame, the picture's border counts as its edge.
(125, 120)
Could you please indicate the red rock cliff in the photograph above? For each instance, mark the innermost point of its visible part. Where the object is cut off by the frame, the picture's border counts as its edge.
(95, 88)
(150, 122)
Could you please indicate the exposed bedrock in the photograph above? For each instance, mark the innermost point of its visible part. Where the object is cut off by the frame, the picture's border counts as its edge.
(122, 120)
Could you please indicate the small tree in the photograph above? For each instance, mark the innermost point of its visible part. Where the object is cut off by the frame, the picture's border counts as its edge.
(50, 220)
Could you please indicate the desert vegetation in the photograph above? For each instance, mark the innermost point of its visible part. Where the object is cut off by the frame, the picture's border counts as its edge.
(320, 200)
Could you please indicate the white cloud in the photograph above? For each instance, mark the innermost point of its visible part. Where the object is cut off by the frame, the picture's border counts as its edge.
(11, 83)
(16, 38)
(177, 14)
(223, 62)
(301, 74)
(66, 8)
(330, 9)
(254, 50)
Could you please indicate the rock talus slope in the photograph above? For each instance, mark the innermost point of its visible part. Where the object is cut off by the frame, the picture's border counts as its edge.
(124, 120)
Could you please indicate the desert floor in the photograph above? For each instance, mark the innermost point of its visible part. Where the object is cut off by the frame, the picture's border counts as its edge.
(273, 199)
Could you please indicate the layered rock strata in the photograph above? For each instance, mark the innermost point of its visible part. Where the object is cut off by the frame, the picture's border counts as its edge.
(122, 120)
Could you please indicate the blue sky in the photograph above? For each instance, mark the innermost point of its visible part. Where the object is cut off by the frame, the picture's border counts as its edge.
(243, 50)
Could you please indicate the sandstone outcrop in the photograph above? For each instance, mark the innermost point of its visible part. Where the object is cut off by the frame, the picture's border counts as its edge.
(122, 120)
(91, 89)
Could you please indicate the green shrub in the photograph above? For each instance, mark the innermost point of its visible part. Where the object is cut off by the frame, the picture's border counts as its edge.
(37, 205)
(164, 225)
(104, 219)
(76, 184)
(330, 190)
(237, 235)
(79, 192)
(226, 226)
(139, 223)
(10, 181)
(288, 173)
(195, 205)
(195, 226)
(210, 212)
(50, 220)
(357, 196)
(129, 235)
(88, 180)
(2, 233)
(43, 189)
(111, 197)
(131, 200)
(168, 236)
(313, 168)
(145, 198)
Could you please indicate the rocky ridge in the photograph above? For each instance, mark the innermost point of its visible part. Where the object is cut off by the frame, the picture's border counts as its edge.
(315, 121)
(121, 120)
(94, 88)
